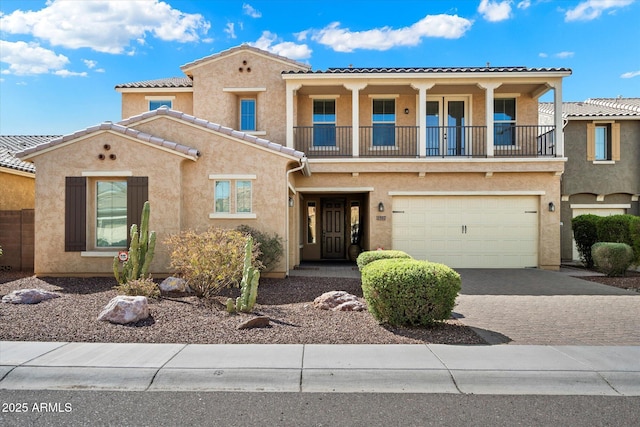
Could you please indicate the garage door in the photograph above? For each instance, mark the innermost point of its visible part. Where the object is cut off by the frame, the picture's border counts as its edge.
(468, 231)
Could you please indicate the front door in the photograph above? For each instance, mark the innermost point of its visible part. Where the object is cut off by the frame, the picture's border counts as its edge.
(333, 232)
(446, 122)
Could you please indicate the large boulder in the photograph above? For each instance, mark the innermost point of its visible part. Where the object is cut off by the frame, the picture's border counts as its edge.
(125, 309)
(174, 284)
(28, 296)
(339, 301)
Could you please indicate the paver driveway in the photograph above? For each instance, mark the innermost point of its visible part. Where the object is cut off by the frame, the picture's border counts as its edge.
(531, 306)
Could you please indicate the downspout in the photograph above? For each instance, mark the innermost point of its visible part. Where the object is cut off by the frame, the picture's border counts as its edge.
(302, 166)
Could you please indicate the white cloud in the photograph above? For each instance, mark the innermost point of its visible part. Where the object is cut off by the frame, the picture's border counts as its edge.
(269, 42)
(251, 11)
(543, 55)
(90, 63)
(591, 9)
(105, 26)
(524, 4)
(564, 54)
(67, 73)
(345, 40)
(630, 74)
(29, 58)
(230, 30)
(494, 11)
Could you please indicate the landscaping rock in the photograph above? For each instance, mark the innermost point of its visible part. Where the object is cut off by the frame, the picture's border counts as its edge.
(174, 284)
(256, 322)
(125, 309)
(339, 301)
(28, 296)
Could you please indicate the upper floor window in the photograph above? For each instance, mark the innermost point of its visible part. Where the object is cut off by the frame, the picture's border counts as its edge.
(504, 121)
(248, 115)
(384, 122)
(603, 142)
(154, 104)
(324, 122)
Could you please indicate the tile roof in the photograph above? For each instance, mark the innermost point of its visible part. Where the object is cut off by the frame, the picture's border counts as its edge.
(215, 127)
(116, 127)
(171, 82)
(123, 127)
(15, 143)
(436, 70)
(241, 48)
(596, 107)
(8, 160)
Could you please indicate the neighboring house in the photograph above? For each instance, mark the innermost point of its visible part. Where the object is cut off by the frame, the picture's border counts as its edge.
(602, 174)
(448, 164)
(17, 201)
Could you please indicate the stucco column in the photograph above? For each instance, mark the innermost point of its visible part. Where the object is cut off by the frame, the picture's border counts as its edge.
(355, 89)
(422, 89)
(489, 88)
(290, 103)
(557, 117)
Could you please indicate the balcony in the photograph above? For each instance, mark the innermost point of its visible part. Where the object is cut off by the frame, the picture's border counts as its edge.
(441, 141)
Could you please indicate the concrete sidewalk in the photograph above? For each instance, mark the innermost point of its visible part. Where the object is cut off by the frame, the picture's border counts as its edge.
(429, 368)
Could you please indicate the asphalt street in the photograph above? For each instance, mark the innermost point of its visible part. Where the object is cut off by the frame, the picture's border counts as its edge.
(81, 408)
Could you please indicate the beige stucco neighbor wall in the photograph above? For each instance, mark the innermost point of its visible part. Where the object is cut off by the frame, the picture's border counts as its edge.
(242, 70)
(17, 192)
(137, 103)
(380, 231)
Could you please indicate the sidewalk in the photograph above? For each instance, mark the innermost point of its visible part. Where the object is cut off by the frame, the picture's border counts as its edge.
(430, 368)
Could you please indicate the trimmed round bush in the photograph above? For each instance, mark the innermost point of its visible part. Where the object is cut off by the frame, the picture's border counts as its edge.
(612, 259)
(410, 292)
(369, 256)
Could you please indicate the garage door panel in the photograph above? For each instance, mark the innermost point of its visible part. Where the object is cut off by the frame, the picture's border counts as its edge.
(468, 231)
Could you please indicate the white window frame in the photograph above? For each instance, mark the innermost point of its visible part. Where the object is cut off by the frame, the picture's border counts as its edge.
(233, 180)
(156, 98)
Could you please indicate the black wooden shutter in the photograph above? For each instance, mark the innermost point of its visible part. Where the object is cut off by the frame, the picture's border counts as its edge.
(75, 222)
(137, 194)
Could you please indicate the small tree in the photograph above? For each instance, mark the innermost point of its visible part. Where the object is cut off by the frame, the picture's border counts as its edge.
(585, 233)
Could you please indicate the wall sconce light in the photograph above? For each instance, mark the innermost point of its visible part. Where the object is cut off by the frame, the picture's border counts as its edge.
(406, 111)
(380, 207)
(291, 202)
(552, 207)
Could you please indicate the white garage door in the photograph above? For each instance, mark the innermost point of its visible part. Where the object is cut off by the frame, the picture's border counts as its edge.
(468, 231)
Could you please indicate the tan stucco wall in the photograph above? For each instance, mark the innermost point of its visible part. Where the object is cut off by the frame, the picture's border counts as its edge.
(136, 103)
(16, 192)
(162, 168)
(180, 191)
(212, 103)
(380, 231)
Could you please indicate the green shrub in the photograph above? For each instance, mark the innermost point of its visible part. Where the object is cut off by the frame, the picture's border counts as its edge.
(634, 232)
(612, 258)
(145, 287)
(585, 233)
(409, 292)
(269, 246)
(369, 256)
(209, 261)
(615, 228)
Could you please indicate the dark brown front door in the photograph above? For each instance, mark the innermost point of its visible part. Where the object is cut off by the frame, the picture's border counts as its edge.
(333, 235)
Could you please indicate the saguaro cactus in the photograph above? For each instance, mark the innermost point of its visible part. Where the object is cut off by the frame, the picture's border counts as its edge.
(248, 285)
(143, 244)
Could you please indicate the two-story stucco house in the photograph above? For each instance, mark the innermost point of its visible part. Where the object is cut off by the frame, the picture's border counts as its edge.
(448, 164)
(602, 173)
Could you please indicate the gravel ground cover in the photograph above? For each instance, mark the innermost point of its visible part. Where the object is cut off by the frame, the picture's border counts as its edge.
(186, 319)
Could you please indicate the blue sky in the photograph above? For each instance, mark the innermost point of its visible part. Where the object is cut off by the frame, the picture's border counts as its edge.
(60, 60)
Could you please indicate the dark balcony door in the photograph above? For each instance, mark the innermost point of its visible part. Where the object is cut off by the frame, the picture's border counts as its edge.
(333, 231)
